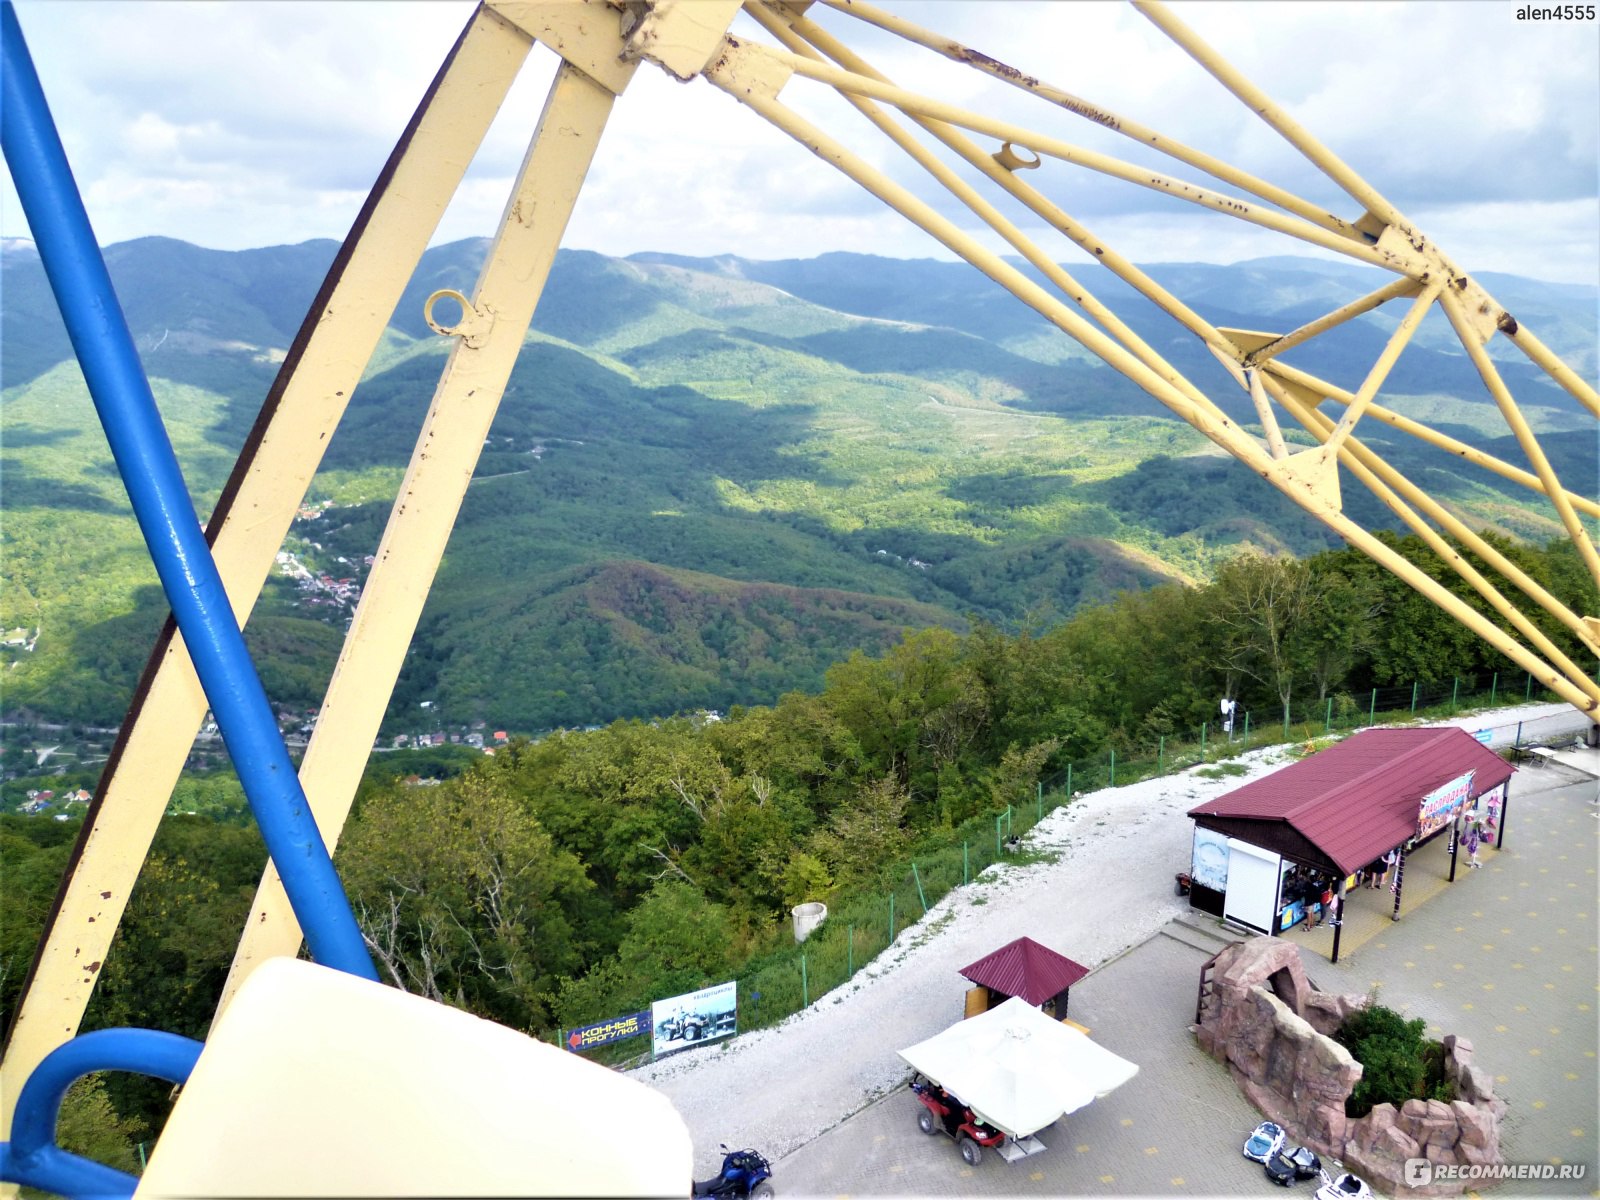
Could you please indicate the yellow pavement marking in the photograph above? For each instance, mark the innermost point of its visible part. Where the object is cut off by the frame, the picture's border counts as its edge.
(1411, 964)
(1487, 946)
(1036, 1176)
(1151, 1150)
(1458, 966)
(1555, 1029)
(1467, 1006)
(1572, 1074)
(1516, 966)
(1488, 987)
(895, 1169)
(1538, 1104)
(1437, 984)
(1576, 1132)
(1500, 1028)
(1501, 1078)
(1536, 1052)
(1108, 1178)
(1083, 1149)
(1177, 1181)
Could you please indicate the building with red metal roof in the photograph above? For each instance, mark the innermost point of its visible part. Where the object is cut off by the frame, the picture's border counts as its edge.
(1352, 803)
(1282, 848)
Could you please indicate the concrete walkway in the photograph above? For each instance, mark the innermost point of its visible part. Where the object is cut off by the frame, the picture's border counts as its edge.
(1506, 956)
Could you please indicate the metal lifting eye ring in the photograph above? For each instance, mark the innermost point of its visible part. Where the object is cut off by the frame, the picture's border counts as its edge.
(1009, 158)
(448, 330)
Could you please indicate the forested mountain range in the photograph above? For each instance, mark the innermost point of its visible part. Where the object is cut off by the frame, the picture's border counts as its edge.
(709, 478)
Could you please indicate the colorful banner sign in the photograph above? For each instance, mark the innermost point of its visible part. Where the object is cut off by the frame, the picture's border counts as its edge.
(1440, 806)
(683, 1022)
(603, 1032)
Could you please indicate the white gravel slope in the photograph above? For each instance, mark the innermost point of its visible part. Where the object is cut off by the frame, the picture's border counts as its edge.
(1112, 886)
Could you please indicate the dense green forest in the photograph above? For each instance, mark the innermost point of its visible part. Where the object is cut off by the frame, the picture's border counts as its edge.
(584, 874)
(708, 480)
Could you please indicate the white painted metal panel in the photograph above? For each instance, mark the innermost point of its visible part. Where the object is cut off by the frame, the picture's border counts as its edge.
(1252, 895)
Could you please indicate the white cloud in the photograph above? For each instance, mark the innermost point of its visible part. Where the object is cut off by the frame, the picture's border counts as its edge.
(244, 124)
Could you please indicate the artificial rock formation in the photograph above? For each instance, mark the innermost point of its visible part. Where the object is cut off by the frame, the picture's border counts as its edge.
(1261, 1016)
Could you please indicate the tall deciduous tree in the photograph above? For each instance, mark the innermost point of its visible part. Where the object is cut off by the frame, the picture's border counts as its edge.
(461, 894)
(1266, 608)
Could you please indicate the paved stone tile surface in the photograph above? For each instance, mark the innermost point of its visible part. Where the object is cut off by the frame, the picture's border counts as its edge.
(1506, 956)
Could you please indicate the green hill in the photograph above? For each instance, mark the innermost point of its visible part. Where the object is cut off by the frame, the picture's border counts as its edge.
(708, 480)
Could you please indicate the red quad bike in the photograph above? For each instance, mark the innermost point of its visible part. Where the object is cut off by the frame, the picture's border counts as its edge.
(943, 1112)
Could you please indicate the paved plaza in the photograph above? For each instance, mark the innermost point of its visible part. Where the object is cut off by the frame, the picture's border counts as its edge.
(1505, 956)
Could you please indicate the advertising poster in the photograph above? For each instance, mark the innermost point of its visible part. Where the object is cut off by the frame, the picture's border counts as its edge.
(1439, 807)
(1209, 865)
(602, 1033)
(683, 1022)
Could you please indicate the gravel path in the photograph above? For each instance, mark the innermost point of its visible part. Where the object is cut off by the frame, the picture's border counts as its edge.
(1109, 889)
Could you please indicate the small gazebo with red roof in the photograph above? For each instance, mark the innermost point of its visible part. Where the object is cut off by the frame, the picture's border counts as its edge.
(1024, 968)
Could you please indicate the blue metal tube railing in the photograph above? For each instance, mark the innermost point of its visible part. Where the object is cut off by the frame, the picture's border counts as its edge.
(33, 1158)
(166, 515)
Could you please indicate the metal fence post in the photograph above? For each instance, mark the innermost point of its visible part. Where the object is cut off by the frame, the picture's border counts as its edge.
(1069, 782)
(891, 918)
(1203, 727)
(1247, 729)
(1455, 690)
(1372, 709)
(963, 864)
(1113, 768)
(921, 895)
(1494, 688)
(1038, 799)
(805, 983)
(1527, 693)
(998, 817)
(1327, 721)
(850, 955)
(1161, 756)
(1415, 684)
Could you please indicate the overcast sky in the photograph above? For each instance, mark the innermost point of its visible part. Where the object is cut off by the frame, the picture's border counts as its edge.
(242, 124)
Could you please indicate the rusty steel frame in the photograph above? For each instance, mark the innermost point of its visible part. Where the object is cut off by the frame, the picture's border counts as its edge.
(601, 43)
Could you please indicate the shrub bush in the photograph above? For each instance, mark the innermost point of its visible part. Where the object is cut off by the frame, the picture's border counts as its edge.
(1398, 1063)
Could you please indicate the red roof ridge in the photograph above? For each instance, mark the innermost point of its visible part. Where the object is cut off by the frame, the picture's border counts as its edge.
(1350, 784)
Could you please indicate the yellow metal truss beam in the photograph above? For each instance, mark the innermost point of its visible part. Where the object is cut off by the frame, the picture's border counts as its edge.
(601, 42)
